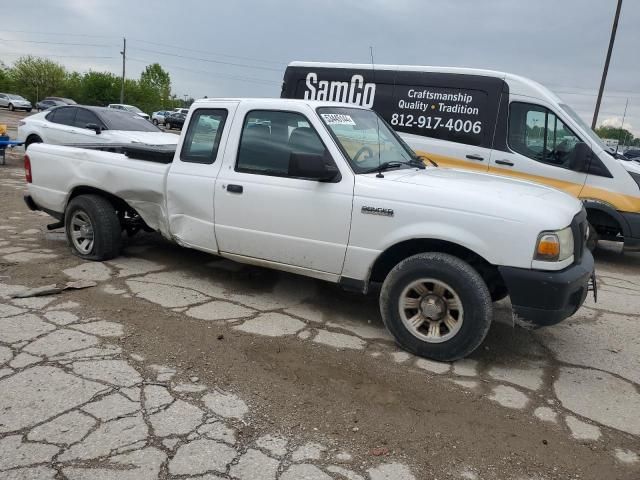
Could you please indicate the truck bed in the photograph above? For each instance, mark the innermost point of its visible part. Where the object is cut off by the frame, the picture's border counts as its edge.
(135, 151)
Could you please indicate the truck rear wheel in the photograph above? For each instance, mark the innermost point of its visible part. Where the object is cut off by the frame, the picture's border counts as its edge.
(93, 228)
(436, 306)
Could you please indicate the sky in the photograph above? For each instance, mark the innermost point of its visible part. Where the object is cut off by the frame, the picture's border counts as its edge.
(242, 47)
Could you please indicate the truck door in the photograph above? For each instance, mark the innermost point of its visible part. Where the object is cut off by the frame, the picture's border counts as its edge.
(264, 212)
(191, 178)
(540, 148)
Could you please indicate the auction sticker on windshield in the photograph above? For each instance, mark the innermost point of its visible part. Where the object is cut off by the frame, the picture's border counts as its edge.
(338, 119)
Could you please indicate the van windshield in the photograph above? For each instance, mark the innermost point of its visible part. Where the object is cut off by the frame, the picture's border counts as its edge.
(366, 140)
(576, 118)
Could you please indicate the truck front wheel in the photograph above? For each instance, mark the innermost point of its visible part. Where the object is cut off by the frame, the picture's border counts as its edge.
(436, 306)
(93, 228)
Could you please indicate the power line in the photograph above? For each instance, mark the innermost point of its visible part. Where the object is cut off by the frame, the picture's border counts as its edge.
(219, 62)
(253, 59)
(57, 43)
(18, 54)
(212, 74)
(59, 34)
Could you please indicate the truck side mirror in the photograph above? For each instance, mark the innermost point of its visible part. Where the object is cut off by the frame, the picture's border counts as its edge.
(311, 167)
(580, 158)
(95, 127)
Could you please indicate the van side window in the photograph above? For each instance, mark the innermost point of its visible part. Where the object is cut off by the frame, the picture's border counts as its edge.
(536, 132)
(271, 139)
(203, 136)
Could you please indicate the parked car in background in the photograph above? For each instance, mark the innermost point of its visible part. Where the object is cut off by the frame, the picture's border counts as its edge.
(66, 101)
(157, 118)
(15, 102)
(80, 124)
(632, 153)
(128, 108)
(181, 110)
(175, 120)
(48, 103)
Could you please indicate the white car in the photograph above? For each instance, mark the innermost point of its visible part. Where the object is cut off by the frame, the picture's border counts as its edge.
(330, 191)
(15, 102)
(78, 124)
(157, 118)
(128, 108)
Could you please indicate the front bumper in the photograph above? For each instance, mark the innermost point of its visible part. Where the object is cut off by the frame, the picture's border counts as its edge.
(541, 298)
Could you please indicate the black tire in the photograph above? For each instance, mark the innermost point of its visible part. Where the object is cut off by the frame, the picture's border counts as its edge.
(467, 284)
(592, 240)
(168, 125)
(32, 139)
(29, 110)
(107, 232)
(155, 121)
(11, 107)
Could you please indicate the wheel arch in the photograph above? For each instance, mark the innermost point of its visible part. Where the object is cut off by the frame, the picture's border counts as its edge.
(601, 213)
(394, 254)
(117, 202)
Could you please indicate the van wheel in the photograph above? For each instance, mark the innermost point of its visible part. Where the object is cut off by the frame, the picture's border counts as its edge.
(93, 228)
(436, 306)
(11, 107)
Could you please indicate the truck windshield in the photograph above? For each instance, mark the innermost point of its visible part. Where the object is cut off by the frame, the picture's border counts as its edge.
(576, 118)
(366, 140)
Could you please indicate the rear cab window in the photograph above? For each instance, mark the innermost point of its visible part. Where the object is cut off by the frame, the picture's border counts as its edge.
(202, 139)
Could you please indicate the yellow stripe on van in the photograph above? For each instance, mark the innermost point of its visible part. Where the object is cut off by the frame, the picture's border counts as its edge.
(619, 201)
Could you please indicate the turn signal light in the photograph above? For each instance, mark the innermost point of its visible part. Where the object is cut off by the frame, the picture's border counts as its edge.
(548, 247)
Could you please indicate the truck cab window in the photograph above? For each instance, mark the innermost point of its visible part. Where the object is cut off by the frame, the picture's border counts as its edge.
(537, 133)
(203, 136)
(271, 138)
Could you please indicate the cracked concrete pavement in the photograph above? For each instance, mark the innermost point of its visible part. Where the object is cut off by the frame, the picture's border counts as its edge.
(183, 365)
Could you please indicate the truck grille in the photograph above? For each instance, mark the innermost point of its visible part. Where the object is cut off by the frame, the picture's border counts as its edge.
(579, 230)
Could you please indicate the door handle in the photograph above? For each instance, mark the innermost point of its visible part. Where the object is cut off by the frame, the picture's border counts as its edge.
(234, 188)
(475, 157)
(504, 162)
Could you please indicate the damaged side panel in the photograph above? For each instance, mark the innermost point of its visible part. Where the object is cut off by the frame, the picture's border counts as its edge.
(139, 183)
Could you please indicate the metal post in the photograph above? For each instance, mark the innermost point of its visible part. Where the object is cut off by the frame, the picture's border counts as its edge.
(606, 65)
(624, 116)
(124, 59)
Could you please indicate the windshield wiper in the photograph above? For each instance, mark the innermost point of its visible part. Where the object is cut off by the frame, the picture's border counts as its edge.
(395, 164)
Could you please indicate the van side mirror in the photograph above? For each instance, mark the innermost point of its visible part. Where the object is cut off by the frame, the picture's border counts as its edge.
(311, 167)
(95, 127)
(580, 158)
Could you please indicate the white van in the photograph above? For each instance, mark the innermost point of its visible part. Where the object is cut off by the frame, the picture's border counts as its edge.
(492, 122)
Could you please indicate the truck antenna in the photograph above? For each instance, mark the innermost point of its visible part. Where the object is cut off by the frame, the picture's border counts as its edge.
(373, 70)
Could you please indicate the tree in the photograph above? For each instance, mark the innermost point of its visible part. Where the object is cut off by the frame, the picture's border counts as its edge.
(154, 77)
(37, 77)
(624, 136)
(99, 88)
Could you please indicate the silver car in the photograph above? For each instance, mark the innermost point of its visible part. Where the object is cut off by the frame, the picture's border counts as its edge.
(15, 102)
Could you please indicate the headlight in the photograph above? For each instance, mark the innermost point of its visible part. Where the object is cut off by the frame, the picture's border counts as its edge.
(554, 246)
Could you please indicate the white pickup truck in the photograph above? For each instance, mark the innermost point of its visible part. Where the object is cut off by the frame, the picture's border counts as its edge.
(329, 191)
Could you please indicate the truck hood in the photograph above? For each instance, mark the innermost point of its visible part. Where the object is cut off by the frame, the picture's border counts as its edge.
(491, 195)
(150, 138)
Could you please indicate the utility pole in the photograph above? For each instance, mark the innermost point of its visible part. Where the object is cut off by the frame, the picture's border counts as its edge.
(624, 116)
(606, 65)
(124, 60)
